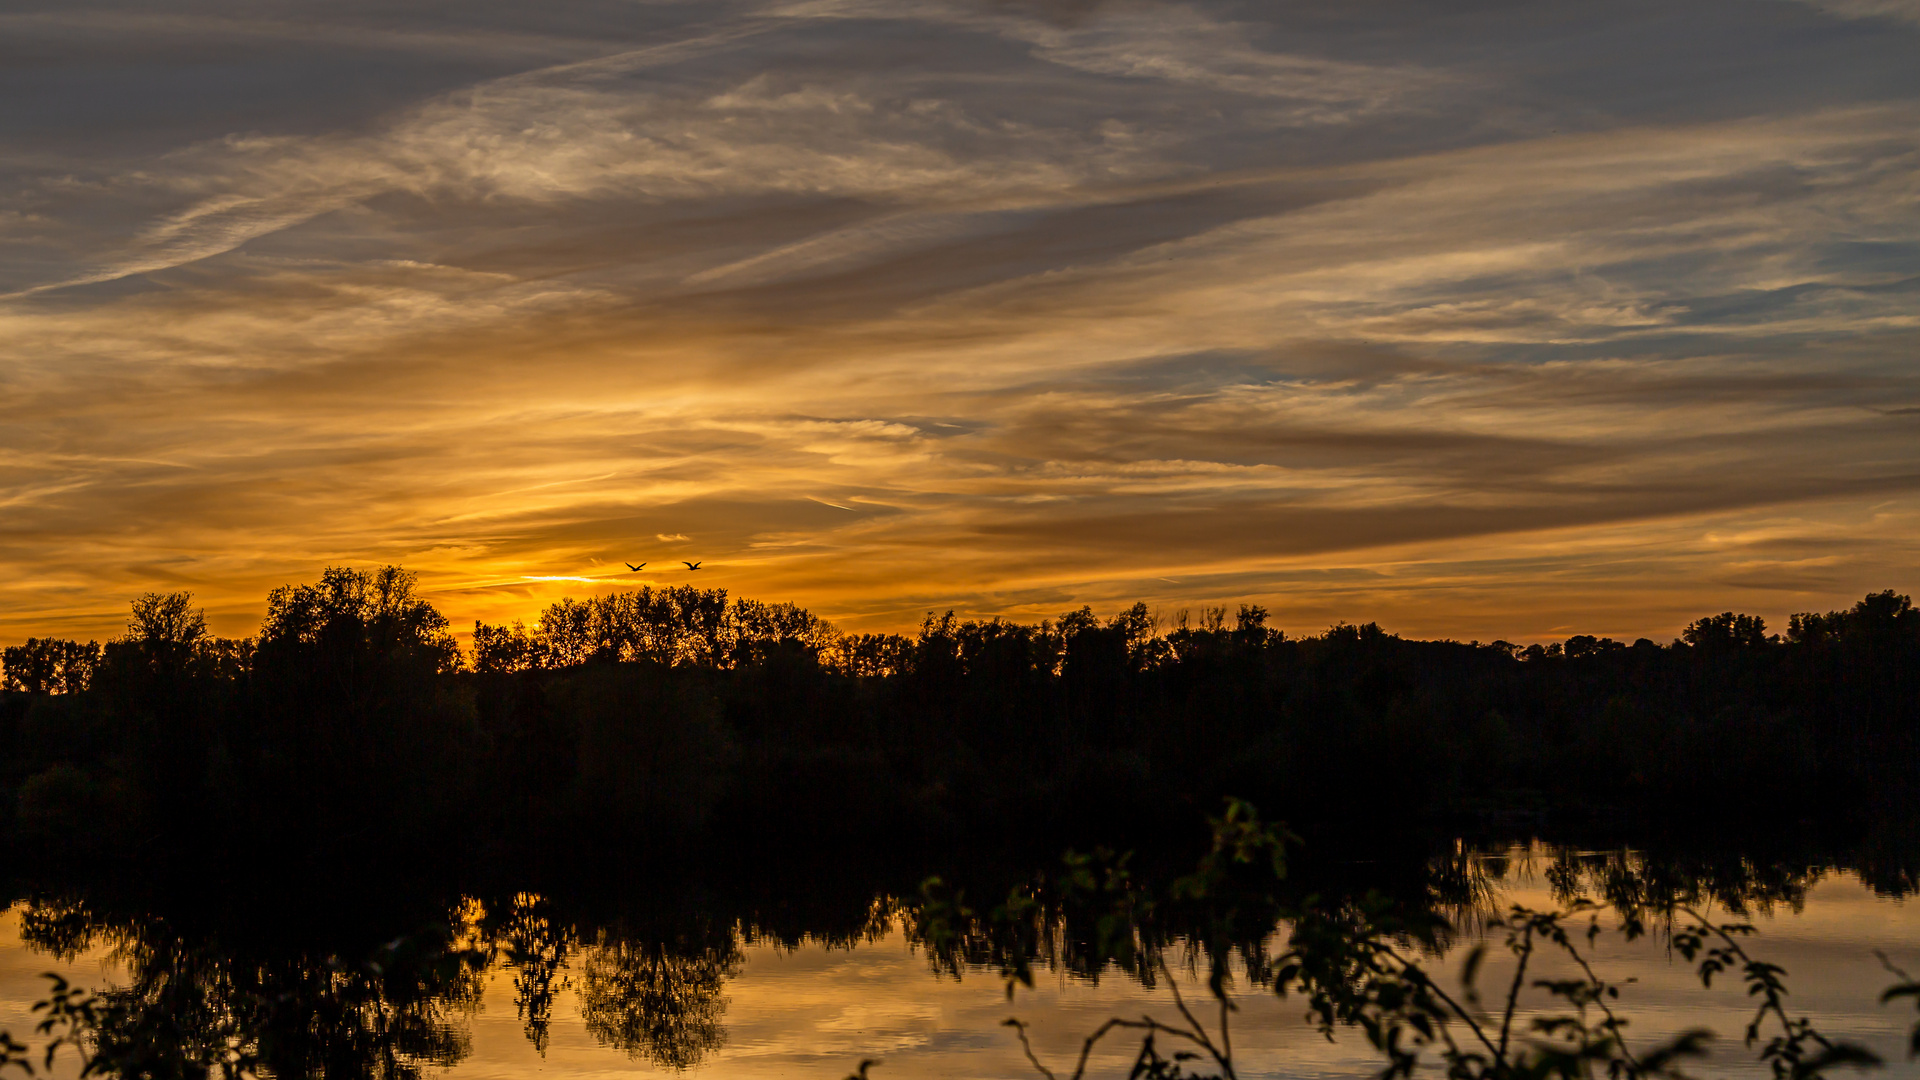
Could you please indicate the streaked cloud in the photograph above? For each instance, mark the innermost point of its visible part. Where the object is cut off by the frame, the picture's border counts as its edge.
(1906, 10)
(1477, 322)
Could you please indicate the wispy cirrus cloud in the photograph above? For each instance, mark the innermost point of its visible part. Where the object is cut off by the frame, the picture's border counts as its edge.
(1904, 10)
(997, 306)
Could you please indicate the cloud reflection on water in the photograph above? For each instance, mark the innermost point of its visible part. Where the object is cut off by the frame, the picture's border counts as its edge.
(817, 1010)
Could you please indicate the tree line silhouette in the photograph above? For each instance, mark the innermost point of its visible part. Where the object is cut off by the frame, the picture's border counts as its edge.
(616, 800)
(677, 715)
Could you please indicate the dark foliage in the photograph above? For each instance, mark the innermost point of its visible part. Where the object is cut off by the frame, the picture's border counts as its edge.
(646, 735)
(678, 716)
(338, 979)
(1361, 959)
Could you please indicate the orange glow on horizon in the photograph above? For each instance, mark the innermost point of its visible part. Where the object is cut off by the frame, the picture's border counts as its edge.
(1095, 303)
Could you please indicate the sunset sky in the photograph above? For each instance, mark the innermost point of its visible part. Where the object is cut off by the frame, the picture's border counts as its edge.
(1479, 319)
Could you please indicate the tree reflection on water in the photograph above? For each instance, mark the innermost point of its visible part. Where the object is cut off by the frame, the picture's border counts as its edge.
(195, 1005)
(659, 1000)
(388, 990)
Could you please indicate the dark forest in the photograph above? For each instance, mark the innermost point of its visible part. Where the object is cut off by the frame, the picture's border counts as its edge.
(643, 784)
(678, 717)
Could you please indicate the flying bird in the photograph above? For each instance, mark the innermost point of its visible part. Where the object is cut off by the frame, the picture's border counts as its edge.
(692, 565)
(635, 569)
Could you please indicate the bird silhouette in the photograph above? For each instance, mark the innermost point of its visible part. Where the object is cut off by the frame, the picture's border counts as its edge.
(635, 569)
(692, 565)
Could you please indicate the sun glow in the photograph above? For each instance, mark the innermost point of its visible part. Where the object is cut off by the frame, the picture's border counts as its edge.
(1162, 302)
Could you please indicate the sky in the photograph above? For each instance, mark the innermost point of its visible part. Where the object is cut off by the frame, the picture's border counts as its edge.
(1478, 318)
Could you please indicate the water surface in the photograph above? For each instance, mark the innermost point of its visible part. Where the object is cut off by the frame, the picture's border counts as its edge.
(736, 1002)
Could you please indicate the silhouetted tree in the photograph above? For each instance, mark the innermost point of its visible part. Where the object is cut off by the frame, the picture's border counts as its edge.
(351, 722)
(48, 666)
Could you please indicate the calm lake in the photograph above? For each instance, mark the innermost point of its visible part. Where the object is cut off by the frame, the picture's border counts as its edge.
(731, 1000)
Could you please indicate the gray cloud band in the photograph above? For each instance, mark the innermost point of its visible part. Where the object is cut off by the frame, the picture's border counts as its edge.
(1196, 288)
